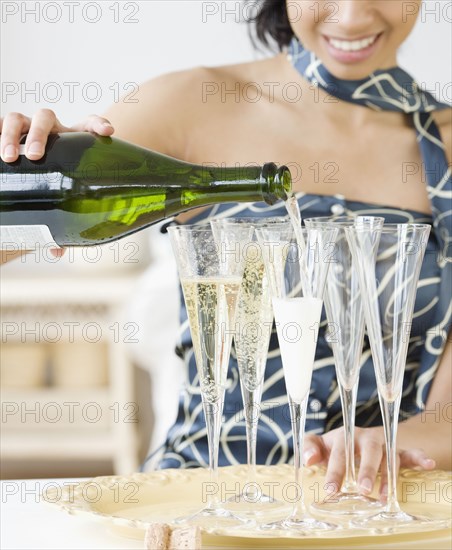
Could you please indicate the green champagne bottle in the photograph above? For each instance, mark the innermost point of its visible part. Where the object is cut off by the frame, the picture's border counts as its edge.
(90, 190)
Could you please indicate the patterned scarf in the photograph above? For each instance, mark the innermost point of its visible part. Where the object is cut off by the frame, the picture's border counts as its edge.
(389, 90)
(396, 90)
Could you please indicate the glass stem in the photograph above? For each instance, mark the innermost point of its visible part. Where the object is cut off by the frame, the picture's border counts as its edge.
(298, 420)
(251, 403)
(390, 413)
(348, 399)
(213, 412)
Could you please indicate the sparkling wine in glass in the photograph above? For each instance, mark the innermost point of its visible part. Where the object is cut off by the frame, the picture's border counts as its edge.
(254, 320)
(389, 262)
(297, 277)
(346, 327)
(210, 278)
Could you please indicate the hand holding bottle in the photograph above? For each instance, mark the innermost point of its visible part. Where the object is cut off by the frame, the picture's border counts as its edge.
(38, 128)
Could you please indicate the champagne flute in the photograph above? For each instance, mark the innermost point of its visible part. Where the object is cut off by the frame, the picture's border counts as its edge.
(210, 279)
(388, 289)
(254, 320)
(297, 312)
(345, 313)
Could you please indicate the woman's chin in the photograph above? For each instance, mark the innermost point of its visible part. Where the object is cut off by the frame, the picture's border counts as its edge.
(347, 72)
(351, 71)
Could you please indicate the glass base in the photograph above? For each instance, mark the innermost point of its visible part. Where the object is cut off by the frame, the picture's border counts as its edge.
(212, 517)
(347, 504)
(388, 522)
(304, 525)
(252, 504)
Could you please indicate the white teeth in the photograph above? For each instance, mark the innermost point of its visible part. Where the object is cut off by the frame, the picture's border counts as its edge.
(353, 45)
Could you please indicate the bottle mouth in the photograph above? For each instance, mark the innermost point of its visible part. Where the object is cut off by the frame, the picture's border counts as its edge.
(284, 178)
(279, 182)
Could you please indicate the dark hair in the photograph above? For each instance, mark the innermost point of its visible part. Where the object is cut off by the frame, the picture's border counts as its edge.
(270, 22)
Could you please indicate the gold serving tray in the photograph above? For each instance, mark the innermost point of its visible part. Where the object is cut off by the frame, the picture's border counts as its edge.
(129, 503)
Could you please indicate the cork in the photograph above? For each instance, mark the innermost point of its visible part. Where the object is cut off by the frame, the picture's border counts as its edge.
(157, 536)
(187, 538)
(160, 536)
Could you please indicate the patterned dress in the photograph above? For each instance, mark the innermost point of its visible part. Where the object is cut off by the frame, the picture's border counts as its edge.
(186, 444)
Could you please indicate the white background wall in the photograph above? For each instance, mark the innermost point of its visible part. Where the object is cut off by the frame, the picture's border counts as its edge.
(167, 35)
(47, 44)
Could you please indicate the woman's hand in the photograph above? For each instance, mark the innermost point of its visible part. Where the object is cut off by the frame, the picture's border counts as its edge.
(329, 449)
(38, 128)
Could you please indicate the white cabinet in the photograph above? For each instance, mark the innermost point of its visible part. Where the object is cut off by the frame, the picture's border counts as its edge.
(67, 383)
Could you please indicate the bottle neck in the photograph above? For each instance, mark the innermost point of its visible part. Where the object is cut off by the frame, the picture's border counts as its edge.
(266, 183)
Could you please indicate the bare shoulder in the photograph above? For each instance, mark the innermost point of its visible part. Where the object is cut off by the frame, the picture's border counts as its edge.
(165, 109)
(244, 80)
(201, 86)
(443, 120)
(159, 113)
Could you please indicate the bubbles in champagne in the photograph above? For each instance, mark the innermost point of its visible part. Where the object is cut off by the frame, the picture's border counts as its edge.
(211, 305)
(254, 324)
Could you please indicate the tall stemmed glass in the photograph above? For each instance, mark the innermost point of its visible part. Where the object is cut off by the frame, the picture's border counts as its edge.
(210, 277)
(297, 276)
(388, 289)
(346, 327)
(254, 319)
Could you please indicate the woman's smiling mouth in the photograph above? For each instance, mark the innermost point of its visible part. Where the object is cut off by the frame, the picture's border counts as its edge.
(352, 51)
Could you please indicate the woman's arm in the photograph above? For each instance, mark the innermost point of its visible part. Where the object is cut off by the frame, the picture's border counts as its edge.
(38, 128)
(432, 429)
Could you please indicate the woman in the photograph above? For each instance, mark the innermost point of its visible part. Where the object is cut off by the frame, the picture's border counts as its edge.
(352, 154)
